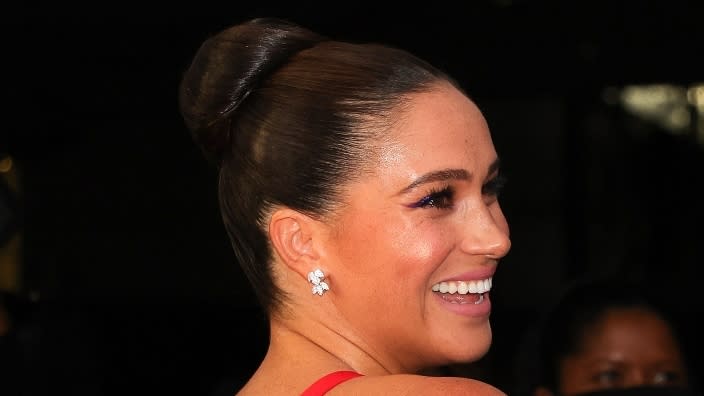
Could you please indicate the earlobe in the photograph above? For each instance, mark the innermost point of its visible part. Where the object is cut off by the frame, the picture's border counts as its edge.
(291, 234)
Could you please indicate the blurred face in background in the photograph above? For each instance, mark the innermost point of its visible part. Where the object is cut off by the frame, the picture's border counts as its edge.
(626, 347)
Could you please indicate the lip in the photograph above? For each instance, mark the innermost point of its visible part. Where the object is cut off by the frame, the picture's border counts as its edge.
(482, 310)
(477, 274)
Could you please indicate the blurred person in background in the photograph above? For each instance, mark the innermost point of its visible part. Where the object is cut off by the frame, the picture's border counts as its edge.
(611, 337)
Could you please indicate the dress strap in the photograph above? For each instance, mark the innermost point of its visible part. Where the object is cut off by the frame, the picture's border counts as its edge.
(323, 385)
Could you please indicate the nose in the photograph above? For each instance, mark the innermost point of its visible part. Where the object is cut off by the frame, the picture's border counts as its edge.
(486, 232)
(636, 377)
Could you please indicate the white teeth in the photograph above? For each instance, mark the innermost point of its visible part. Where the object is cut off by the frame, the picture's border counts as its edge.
(452, 287)
(463, 287)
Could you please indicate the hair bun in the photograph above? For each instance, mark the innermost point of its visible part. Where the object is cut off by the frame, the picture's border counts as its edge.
(227, 68)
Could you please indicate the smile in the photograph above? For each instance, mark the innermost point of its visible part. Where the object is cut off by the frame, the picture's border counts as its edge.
(463, 287)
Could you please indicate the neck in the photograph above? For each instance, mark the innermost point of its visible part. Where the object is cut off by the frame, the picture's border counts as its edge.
(325, 347)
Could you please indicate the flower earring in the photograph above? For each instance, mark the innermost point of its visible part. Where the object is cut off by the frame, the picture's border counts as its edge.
(316, 279)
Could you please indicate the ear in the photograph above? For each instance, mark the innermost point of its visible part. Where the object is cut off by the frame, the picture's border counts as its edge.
(293, 236)
(542, 391)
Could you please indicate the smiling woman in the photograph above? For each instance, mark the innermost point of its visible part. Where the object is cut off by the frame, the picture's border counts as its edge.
(359, 187)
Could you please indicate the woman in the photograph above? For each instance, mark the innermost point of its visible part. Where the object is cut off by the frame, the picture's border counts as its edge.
(358, 185)
(611, 336)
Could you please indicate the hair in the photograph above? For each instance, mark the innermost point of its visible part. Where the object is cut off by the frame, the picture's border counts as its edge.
(288, 116)
(580, 308)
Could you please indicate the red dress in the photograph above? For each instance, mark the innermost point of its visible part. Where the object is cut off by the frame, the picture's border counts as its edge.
(323, 385)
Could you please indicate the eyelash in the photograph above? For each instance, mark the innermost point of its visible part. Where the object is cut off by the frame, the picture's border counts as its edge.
(439, 199)
(494, 186)
(443, 198)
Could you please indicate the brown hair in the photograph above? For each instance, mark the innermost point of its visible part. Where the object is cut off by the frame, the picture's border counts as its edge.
(289, 116)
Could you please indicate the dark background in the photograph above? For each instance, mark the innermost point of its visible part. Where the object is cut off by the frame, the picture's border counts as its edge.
(128, 282)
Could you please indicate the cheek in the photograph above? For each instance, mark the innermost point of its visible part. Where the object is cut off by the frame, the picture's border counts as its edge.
(420, 246)
(394, 246)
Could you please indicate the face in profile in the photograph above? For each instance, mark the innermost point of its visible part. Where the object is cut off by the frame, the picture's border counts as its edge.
(627, 347)
(417, 242)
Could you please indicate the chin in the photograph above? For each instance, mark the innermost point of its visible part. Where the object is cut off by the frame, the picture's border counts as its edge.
(469, 347)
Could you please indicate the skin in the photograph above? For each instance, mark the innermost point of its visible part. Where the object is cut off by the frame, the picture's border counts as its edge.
(628, 347)
(382, 252)
(419, 246)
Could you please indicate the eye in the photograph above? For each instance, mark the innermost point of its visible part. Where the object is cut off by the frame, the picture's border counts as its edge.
(494, 186)
(667, 378)
(439, 199)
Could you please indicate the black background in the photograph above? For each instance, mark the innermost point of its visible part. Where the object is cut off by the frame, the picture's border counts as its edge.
(137, 288)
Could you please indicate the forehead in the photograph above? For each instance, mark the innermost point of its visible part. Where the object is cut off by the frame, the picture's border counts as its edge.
(631, 329)
(442, 105)
(441, 125)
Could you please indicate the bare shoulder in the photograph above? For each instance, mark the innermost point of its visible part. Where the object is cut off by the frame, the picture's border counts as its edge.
(407, 384)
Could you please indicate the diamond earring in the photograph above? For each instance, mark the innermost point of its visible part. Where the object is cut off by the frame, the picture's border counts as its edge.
(316, 279)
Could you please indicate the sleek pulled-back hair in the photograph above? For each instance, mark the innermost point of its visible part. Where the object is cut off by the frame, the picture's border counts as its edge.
(289, 116)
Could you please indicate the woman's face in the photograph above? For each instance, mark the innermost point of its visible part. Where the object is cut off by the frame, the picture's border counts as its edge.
(628, 347)
(416, 244)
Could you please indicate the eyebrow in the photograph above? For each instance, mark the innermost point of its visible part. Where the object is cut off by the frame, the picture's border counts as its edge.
(447, 174)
